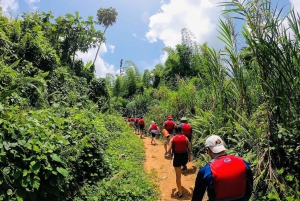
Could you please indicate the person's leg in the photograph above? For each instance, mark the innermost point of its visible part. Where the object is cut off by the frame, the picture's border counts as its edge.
(178, 179)
(165, 146)
(155, 139)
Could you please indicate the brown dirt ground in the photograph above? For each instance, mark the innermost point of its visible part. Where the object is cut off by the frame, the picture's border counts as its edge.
(156, 163)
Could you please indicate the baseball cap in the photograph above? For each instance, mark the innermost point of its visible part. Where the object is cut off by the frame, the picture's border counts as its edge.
(170, 117)
(183, 119)
(215, 143)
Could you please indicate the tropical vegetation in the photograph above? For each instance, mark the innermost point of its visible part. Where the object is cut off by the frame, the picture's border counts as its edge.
(62, 131)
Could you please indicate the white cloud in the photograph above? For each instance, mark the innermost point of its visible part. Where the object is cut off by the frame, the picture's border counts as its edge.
(199, 16)
(31, 4)
(9, 5)
(102, 67)
(111, 48)
(296, 5)
(163, 57)
(32, 1)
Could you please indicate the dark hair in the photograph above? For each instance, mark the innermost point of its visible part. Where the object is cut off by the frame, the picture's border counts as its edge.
(177, 128)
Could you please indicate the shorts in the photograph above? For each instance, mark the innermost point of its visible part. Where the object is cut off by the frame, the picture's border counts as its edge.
(170, 131)
(153, 134)
(180, 159)
(136, 126)
(167, 140)
(189, 137)
(142, 127)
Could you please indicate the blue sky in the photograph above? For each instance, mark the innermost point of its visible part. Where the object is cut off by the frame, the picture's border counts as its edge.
(143, 27)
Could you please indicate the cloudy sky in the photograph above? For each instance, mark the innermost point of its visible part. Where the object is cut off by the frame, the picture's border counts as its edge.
(143, 27)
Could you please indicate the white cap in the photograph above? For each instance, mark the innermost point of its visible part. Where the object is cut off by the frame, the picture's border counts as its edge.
(152, 122)
(215, 143)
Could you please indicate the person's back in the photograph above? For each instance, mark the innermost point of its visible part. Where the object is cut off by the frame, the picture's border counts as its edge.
(169, 124)
(226, 177)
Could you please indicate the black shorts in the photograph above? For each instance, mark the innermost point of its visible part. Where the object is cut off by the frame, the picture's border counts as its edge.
(142, 127)
(153, 134)
(189, 137)
(180, 159)
(170, 131)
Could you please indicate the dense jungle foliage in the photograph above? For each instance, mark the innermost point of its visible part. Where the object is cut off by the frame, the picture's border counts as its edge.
(61, 128)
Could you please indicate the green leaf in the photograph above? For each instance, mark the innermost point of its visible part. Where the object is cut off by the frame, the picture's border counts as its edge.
(17, 174)
(62, 171)
(9, 192)
(36, 183)
(21, 193)
(35, 166)
(36, 148)
(6, 170)
(24, 182)
(56, 158)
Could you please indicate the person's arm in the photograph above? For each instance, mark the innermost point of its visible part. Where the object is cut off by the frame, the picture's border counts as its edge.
(188, 148)
(249, 181)
(201, 183)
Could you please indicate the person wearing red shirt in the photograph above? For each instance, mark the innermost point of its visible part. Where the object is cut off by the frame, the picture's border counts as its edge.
(169, 125)
(182, 155)
(136, 125)
(154, 130)
(186, 130)
(225, 177)
(141, 126)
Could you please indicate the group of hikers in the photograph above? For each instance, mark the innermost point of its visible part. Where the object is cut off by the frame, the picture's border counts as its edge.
(225, 178)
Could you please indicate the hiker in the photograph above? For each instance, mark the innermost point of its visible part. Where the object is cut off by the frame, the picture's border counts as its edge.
(167, 138)
(141, 126)
(169, 125)
(182, 155)
(136, 125)
(225, 177)
(154, 130)
(132, 123)
(187, 130)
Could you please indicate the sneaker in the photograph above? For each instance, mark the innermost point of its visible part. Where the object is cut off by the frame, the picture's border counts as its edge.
(178, 195)
(167, 154)
(184, 168)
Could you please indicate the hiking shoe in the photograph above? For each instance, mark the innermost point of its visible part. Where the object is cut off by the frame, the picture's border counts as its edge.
(184, 168)
(178, 195)
(167, 154)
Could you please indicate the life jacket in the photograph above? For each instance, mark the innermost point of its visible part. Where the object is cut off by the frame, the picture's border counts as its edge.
(137, 120)
(179, 144)
(154, 126)
(141, 122)
(186, 129)
(169, 124)
(229, 177)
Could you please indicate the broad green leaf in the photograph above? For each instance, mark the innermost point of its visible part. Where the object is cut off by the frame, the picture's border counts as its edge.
(9, 192)
(62, 171)
(21, 193)
(35, 166)
(6, 170)
(17, 174)
(55, 157)
(36, 183)
(36, 148)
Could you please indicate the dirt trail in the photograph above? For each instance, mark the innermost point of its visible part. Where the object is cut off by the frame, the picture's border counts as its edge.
(165, 174)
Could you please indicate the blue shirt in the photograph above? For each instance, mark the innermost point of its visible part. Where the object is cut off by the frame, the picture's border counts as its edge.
(204, 181)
